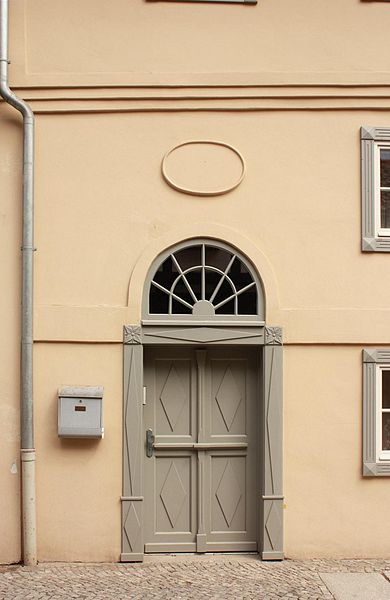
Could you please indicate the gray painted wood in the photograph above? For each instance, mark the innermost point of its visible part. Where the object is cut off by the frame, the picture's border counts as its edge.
(202, 484)
(376, 355)
(270, 433)
(132, 510)
(372, 357)
(232, 416)
(371, 242)
(271, 531)
(203, 335)
(171, 474)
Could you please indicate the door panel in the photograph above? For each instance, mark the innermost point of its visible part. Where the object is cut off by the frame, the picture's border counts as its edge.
(173, 484)
(170, 475)
(228, 511)
(231, 398)
(228, 397)
(201, 483)
(173, 398)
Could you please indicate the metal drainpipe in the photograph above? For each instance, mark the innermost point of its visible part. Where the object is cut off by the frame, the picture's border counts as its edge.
(27, 433)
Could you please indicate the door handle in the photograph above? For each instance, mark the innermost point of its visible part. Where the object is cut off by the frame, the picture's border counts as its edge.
(149, 443)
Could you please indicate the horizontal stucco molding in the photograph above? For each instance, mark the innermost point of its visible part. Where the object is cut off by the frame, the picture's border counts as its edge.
(19, 78)
(300, 326)
(209, 104)
(136, 93)
(100, 99)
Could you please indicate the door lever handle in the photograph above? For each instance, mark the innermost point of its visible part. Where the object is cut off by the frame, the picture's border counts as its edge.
(149, 443)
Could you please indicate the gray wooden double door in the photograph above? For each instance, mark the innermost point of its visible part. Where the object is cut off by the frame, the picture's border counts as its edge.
(202, 474)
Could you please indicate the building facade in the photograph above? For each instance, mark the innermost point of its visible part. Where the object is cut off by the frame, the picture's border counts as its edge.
(212, 227)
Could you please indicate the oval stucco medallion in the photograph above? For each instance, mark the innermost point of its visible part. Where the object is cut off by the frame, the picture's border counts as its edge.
(203, 167)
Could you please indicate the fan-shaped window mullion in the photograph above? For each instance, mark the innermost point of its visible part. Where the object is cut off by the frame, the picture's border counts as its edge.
(224, 275)
(161, 287)
(171, 295)
(203, 271)
(235, 295)
(189, 288)
(184, 273)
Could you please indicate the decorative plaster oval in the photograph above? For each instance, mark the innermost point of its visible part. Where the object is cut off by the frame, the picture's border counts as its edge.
(203, 167)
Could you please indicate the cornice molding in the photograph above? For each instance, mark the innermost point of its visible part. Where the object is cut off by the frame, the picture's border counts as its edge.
(65, 99)
(22, 79)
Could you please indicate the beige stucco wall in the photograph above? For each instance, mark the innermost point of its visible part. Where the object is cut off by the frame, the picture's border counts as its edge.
(101, 203)
(78, 481)
(142, 41)
(103, 212)
(331, 510)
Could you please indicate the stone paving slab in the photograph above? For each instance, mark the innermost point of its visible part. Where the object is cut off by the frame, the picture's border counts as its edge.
(357, 586)
(221, 577)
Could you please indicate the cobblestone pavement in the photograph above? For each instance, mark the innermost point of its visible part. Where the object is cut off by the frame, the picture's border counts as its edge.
(180, 578)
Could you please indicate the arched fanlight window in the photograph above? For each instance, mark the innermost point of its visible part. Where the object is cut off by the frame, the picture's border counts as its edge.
(204, 280)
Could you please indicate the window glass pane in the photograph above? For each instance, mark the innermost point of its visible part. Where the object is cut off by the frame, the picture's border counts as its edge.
(385, 168)
(385, 389)
(385, 210)
(189, 257)
(239, 274)
(158, 301)
(247, 302)
(166, 273)
(226, 309)
(386, 431)
(217, 257)
(179, 309)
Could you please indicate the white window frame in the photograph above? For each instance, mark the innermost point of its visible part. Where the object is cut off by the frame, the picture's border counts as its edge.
(380, 231)
(376, 462)
(374, 237)
(383, 455)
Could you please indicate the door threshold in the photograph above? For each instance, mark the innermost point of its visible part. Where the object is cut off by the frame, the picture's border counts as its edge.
(197, 553)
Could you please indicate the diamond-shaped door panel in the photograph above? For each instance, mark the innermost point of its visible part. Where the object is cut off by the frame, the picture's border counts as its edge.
(174, 399)
(173, 494)
(228, 493)
(228, 397)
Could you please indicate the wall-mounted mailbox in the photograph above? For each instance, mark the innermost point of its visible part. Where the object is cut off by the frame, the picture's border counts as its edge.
(80, 412)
